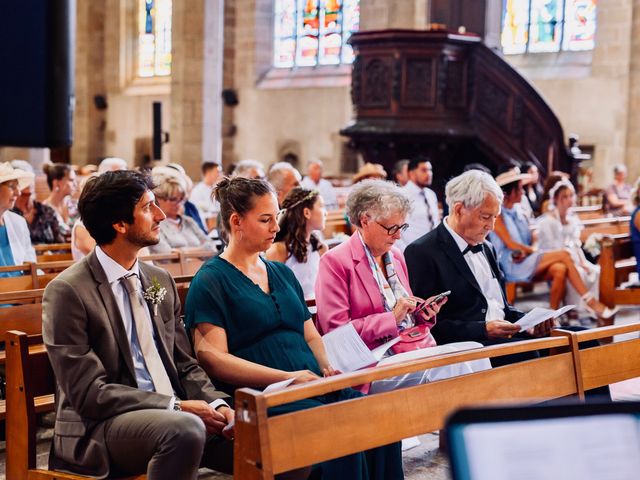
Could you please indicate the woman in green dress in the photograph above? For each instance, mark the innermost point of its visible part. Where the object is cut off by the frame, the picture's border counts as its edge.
(252, 327)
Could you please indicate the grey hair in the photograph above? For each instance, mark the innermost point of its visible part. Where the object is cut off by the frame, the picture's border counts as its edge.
(471, 188)
(244, 166)
(315, 161)
(378, 199)
(110, 164)
(620, 168)
(276, 174)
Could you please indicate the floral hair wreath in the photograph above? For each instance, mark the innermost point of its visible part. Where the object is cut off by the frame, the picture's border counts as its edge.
(283, 212)
(557, 186)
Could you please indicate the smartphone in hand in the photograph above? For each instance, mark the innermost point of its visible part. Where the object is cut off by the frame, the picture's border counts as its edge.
(439, 298)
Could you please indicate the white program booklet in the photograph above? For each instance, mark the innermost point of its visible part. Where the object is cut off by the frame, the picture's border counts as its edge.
(539, 315)
(347, 352)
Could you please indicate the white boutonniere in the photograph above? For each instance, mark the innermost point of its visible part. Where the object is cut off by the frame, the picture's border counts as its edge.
(155, 294)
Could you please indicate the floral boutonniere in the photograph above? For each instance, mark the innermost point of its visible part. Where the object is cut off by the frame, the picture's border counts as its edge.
(155, 294)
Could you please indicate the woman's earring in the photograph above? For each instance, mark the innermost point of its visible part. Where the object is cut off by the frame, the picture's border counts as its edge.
(241, 235)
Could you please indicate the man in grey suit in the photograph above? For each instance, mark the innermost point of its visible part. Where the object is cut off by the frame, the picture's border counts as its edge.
(130, 397)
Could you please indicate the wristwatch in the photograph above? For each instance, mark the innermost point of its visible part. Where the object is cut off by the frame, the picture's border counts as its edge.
(177, 405)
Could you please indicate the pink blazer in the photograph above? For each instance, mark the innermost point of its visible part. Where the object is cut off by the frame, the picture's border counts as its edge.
(346, 291)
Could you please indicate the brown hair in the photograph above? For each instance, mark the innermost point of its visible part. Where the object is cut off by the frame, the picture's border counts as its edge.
(237, 195)
(293, 224)
(55, 171)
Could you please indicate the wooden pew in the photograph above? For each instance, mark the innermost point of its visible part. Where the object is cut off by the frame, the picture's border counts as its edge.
(591, 211)
(335, 224)
(53, 252)
(616, 263)
(266, 446)
(30, 391)
(604, 226)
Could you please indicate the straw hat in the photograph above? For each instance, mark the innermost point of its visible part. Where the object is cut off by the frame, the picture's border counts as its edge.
(370, 170)
(512, 176)
(8, 173)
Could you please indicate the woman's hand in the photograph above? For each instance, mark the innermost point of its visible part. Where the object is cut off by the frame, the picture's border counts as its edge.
(432, 308)
(303, 376)
(329, 371)
(404, 306)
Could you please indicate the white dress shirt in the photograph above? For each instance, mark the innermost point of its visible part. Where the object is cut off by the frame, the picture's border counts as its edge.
(424, 215)
(114, 272)
(326, 190)
(483, 274)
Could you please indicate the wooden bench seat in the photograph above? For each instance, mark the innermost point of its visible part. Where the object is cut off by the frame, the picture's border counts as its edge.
(616, 263)
(30, 391)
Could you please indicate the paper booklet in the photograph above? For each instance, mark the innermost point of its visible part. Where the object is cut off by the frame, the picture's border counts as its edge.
(347, 352)
(539, 315)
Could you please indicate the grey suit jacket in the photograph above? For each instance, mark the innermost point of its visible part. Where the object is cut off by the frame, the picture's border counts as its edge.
(90, 355)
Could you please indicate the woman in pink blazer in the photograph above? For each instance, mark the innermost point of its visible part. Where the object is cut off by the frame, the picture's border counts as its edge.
(364, 281)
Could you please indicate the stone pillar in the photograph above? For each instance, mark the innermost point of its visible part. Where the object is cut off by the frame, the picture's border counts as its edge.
(89, 121)
(632, 159)
(196, 83)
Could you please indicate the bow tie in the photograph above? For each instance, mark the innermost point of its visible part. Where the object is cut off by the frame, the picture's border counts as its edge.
(472, 249)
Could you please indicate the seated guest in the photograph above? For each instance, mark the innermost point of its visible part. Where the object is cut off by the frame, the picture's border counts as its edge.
(370, 170)
(559, 229)
(314, 181)
(130, 397)
(296, 245)
(112, 164)
(82, 243)
(249, 169)
(400, 173)
(364, 282)
(553, 178)
(15, 240)
(41, 219)
(202, 194)
(283, 176)
(178, 231)
(456, 257)
(634, 224)
(252, 327)
(424, 214)
(618, 194)
(521, 261)
(533, 189)
(189, 209)
(62, 182)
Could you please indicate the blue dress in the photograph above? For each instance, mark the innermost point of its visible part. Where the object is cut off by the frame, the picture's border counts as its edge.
(635, 238)
(518, 228)
(268, 329)
(6, 255)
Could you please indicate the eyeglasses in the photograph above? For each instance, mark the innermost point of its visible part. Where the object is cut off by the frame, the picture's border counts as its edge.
(393, 229)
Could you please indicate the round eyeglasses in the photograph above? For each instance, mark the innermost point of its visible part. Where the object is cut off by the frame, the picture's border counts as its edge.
(393, 229)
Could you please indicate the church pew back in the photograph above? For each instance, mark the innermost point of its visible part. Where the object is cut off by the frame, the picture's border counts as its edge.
(266, 446)
(616, 263)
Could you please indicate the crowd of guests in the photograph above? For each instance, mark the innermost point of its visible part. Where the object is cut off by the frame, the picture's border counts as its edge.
(127, 378)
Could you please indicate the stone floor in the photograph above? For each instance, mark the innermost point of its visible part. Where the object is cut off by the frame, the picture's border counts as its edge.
(425, 461)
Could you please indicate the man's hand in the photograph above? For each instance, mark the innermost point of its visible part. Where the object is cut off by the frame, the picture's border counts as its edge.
(501, 329)
(214, 420)
(543, 329)
(228, 431)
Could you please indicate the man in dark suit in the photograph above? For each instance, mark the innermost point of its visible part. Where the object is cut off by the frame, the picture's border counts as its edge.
(455, 256)
(130, 397)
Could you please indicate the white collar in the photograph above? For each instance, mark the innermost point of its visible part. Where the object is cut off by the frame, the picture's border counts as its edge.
(412, 187)
(460, 242)
(112, 269)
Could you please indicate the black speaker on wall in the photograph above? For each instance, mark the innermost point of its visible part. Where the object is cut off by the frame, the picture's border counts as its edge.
(37, 42)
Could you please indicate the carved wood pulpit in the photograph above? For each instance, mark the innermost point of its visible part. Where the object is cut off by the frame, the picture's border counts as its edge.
(447, 96)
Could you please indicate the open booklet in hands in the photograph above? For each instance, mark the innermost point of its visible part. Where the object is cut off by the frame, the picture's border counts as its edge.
(346, 353)
(539, 315)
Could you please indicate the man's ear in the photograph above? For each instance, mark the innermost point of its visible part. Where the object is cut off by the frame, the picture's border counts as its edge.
(120, 227)
(457, 209)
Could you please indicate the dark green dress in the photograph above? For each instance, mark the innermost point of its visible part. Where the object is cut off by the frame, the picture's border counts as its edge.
(268, 329)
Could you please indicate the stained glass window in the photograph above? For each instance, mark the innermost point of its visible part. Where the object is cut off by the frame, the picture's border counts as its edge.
(548, 25)
(154, 38)
(314, 32)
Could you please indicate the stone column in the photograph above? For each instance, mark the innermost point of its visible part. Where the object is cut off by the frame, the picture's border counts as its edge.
(633, 113)
(196, 83)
